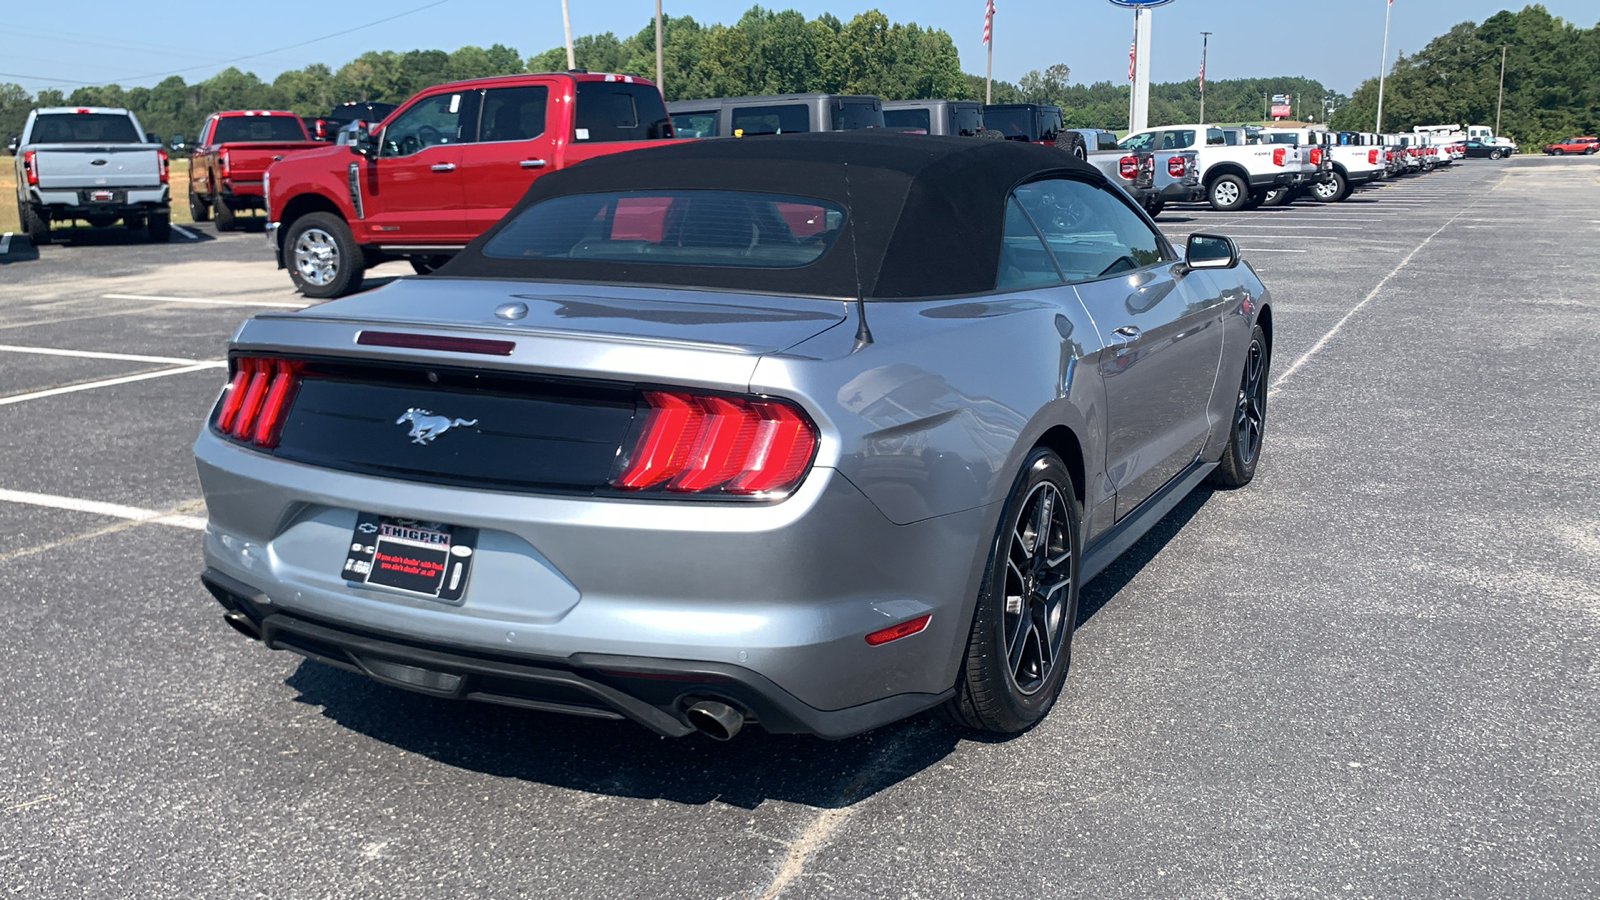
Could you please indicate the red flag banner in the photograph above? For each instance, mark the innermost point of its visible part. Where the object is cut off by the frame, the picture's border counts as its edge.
(1131, 50)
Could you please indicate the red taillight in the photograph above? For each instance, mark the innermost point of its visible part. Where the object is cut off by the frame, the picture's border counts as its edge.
(1316, 156)
(1176, 166)
(1278, 156)
(735, 445)
(30, 165)
(257, 400)
(222, 164)
(896, 632)
(1128, 167)
(1372, 157)
(161, 156)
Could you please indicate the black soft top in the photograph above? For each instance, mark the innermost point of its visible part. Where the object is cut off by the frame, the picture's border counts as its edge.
(924, 214)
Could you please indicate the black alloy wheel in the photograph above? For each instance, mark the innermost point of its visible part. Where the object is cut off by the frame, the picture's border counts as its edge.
(1020, 644)
(1239, 458)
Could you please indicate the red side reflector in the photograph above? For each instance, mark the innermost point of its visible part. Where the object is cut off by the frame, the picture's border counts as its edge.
(436, 342)
(896, 632)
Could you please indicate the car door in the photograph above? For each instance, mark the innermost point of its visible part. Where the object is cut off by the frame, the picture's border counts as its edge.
(1161, 326)
(416, 182)
(516, 143)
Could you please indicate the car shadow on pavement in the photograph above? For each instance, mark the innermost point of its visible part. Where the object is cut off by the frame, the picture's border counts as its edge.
(1099, 592)
(623, 759)
(119, 236)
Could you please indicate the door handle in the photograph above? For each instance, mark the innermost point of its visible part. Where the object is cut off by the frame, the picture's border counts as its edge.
(443, 167)
(1128, 333)
(533, 164)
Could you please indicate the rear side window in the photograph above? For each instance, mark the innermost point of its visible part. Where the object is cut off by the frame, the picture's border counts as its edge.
(1216, 137)
(1091, 232)
(1025, 261)
(84, 128)
(513, 113)
(908, 118)
(850, 115)
(243, 129)
(689, 228)
(695, 124)
(966, 121)
(618, 111)
(1177, 140)
(1143, 141)
(790, 119)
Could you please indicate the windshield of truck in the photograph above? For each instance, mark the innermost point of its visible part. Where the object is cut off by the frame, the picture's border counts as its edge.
(689, 228)
(84, 128)
(914, 119)
(790, 118)
(618, 111)
(243, 129)
(849, 115)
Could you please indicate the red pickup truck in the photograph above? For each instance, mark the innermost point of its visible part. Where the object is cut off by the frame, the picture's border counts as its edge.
(233, 152)
(444, 167)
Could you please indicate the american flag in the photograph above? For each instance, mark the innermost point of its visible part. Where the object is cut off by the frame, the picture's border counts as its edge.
(1203, 69)
(988, 21)
(1131, 51)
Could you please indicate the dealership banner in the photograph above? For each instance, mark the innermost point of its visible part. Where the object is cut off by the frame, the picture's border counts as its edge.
(1282, 106)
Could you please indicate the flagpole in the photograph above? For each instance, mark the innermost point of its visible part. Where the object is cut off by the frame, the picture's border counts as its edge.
(1383, 64)
(1205, 38)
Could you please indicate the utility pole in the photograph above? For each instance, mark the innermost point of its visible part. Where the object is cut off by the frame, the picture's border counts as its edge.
(1205, 39)
(1500, 102)
(1383, 64)
(660, 61)
(566, 24)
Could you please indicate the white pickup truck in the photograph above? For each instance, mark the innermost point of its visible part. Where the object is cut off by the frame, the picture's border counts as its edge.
(1352, 162)
(1233, 176)
(90, 163)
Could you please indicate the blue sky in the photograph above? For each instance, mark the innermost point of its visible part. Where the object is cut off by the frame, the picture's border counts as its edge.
(1337, 41)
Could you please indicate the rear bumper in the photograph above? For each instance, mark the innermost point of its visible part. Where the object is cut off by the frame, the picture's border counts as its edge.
(70, 203)
(650, 692)
(1178, 192)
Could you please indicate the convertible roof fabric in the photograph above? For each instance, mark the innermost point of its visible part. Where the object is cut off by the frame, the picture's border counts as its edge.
(924, 218)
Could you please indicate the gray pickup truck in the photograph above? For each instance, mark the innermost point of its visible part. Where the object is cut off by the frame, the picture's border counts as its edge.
(94, 164)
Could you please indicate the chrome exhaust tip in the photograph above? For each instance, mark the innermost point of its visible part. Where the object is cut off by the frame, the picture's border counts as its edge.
(715, 719)
(242, 624)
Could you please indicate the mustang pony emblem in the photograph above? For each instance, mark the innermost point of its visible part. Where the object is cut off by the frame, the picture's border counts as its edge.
(425, 426)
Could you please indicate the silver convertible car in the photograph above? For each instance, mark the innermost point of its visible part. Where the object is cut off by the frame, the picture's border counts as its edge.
(814, 431)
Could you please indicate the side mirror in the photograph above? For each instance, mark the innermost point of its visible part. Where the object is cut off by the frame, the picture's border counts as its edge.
(12, 144)
(362, 140)
(150, 138)
(1211, 251)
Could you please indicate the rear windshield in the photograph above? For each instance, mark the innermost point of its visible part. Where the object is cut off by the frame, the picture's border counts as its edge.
(1283, 138)
(371, 113)
(618, 111)
(908, 118)
(849, 115)
(689, 228)
(84, 128)
(1015, 123)
(967, 121)
(238, 129)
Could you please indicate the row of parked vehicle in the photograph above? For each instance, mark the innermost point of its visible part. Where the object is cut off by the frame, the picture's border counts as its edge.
(438, 170)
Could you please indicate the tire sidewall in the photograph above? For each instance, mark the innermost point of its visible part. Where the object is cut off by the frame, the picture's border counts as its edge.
(1239, 201)
(351, 268)
(1235, 471)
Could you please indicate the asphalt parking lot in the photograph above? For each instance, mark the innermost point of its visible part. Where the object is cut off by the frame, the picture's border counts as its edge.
(1372, 673)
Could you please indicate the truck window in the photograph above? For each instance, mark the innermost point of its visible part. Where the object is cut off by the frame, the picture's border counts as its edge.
(241, 129)
(431, 121)
(966, 121)
(849, 115)
(1049, 124)
(1216, 137)
(790, 119)
(1283, 138)
(618, 111)
(695, 124)
(1144, 140)
(83, 128)
(1177, 140)
(908, 118)
(1015, 123)
(513, 113)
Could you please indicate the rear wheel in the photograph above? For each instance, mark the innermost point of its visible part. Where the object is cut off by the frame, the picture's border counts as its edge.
(1557, 152)
(226, 221)
(1278, 197)
(426, 265)
(36, 224)
(1254, 202)
(1021, 637)
(1155, 208)
(1249, 417)
(1495, 154)
(1073, 143)
(1332, 190)
(323, 258)
(1227, 193)
(199, 210)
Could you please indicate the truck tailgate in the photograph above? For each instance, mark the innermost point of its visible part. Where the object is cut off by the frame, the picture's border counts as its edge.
(72, 166)
(247, 162)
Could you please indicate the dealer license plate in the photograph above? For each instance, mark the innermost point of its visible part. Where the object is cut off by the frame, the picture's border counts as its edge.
(428, 558)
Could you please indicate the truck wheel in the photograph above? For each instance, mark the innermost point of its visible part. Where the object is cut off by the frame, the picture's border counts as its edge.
(1255, 201)
(323, 258)
(1278, 197)
(1155, 208)
(160, 227)
(426, 265)
(990, 134)
(1332, 191)
(225, 217)
(1073, 143)
(199, 210)
(36, 224)
(1227, 193)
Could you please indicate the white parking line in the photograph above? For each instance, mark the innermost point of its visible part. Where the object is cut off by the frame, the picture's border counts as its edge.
(114, 510)
(109, 382)
(5, 243)
(186, 232)
(206, 300)
(95, 354)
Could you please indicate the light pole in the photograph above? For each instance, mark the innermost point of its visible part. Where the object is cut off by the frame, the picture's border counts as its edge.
(1383, 64)
(1205, 39)
(1500, 102)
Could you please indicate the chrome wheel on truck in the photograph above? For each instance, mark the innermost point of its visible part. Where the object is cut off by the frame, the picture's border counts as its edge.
(316, 257)
(323, 258)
